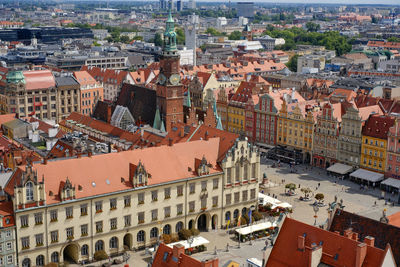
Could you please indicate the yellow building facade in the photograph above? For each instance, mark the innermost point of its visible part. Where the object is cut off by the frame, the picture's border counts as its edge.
(373, 153)
(236, 117)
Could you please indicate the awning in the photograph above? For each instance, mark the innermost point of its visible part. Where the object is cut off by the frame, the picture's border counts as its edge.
(197, 241)
(254, 228)
(340, 168)
(367, 175)
(392, 182)
(264, 199)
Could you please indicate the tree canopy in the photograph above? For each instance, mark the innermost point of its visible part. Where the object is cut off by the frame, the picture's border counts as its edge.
(312, 27)
(235, 35)
(212, 31)
(292, 63)
(332, 40)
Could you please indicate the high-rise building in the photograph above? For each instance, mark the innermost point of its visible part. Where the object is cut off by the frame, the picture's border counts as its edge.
(169, 86)
(192, 4)
(171, 5)
(245, 9)
(179, 5)
(163, 4)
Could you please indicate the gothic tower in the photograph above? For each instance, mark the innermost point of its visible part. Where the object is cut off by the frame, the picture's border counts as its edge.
(169, 86)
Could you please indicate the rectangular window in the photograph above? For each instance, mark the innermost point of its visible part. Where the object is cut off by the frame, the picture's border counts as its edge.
(53, 216)
(179, 209)
(192, 188)
(38, 218)
(167, 193)
(10, 259)
(84, 209)
(69, 212)
(154, 215)
(228, 198)
(84, 230)
(237, 173)
(204, 203)
(141, 217)
(215, 201)
(9, 245)
(154, 195)
(70, 232)
(99, 227)
(99, 206)
(191, 206)
(252, 193)
(127, 220)
(141, 198)
(54, 236)
(167, 212)
(24, 221)
(179, 190)
(113, 223)
(203, 185)
(244, 195)
(229, 175)
(113, 203)
(25, 242)
(127, 201)
(253, 170)
(237, 197)
(39, 240)
(215, 183)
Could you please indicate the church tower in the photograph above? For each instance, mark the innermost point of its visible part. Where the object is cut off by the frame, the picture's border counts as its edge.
(169, 86)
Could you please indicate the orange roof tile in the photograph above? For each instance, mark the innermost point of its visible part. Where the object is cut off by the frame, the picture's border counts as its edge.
(84, 78)
(394, 219)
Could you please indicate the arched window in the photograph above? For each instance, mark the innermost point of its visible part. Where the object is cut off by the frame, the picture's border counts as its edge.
(29, 191)
(26, 262)
(236, 214)
(114, 242)
(85, 250)
(244, 211)
(227, 216)
(140, 236)
(179, 226)
(54, 257)
(154, 232)
(40, 260)
(99, 245)
(167, 229)
(140, 178)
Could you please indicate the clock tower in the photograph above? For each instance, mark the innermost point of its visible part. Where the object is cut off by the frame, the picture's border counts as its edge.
(169, 86)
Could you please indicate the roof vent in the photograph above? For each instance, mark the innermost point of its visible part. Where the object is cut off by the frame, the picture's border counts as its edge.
(93, 184)
(107, 181)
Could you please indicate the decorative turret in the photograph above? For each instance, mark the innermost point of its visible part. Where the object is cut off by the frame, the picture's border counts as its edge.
(170, 36)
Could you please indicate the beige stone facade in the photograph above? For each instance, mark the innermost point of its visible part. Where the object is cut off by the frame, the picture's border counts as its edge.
(74, 229)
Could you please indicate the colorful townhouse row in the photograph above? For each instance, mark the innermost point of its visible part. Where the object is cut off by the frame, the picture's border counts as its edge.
(353, 129)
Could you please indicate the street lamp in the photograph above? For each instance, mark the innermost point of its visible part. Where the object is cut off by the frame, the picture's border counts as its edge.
(316, 209)
(190, 242)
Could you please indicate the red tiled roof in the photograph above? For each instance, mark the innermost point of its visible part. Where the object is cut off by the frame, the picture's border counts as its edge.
(6, 211)
(84, 78)
(394, 219)
(37, 79)
(6, 118)
(383, 44)
(378, 126)
(106, 75)
(101, 174)
(337, 250)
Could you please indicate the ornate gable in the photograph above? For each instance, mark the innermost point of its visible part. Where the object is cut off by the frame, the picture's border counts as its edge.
(202, 167)
(138, 174)
(66, 190)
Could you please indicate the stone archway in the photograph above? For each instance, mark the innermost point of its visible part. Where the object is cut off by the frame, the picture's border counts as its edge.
(214, 222)
(128, 241)
(190, 226)
(26, 262)
(202, 222)
(71, 253)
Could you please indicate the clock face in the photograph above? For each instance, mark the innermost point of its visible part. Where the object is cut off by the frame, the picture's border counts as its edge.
(161, 78)
(174, 79)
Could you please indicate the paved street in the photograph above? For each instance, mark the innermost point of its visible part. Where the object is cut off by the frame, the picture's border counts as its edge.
(354, 199)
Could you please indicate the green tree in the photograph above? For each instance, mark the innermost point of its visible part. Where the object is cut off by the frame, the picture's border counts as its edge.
(180, 36)
(212, 31)
(291, 187)
(393, 39)
(292, 64)
(235, 35)
(319, 197)
(158, 40)
(124, 39)
(306, 192)
(312, 27)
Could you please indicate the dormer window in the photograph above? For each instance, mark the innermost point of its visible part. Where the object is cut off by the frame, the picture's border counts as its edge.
(29, 191)
(138, 174)
(140, 178)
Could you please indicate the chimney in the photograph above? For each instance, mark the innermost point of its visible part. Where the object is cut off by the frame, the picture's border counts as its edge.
(361, 252)
(182, 133)
(178, 250)
(355, 236)
(370, 241)
(109, 113)
(170, 141)
(206, 136)
(300, 242)
(348, 233)
(210, 263)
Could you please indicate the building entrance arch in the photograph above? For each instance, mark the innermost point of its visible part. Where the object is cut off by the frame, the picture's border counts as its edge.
(128, 241)
(71, 253)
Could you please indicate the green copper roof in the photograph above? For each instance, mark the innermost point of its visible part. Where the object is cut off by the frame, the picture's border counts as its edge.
(170, 19)
(157, 120)
(162, 128)
(188, 103)
(170, 35)
(219, 124)
(15, 77)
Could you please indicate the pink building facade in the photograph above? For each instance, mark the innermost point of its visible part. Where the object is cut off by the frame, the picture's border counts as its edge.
(393, 152)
